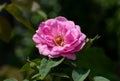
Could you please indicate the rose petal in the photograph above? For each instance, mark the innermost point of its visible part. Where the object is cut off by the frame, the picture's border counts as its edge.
(43, 49)
(71, 56)
(36, 39)
(60, 18)
(69, 38)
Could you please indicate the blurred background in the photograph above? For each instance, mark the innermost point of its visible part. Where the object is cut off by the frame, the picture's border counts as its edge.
(20, 18)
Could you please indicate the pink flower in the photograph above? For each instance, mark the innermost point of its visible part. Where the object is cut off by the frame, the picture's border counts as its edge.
(59, 37)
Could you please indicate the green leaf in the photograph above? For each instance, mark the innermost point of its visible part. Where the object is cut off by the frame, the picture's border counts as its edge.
(90, 41)
(100, 78)
(31, 64)
(80, 75)
(25, 80)
(42, 14)
(60, 75)
(36, 75)
(5, 29)
(25, 67)
(22, 4)
(15, 11)
(35, 6)
(95, 59)
(2, 6)
(10, 79)
(29, 80)
(47, 64)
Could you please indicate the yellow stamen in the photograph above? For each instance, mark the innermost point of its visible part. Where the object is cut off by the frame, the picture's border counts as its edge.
(59, 40)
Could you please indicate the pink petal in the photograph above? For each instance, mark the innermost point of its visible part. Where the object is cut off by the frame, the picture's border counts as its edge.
(78, 28)
(54, 28)
(46, 31)
(71, 56)
(49, 22)
(69, 38)
(36, 39)
(43, 49)
(60, 18)
(69, 25)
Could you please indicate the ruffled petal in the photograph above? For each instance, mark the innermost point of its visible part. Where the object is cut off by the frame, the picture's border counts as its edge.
(61, 19)
(36, 39)
(43, 49)
(71, 56)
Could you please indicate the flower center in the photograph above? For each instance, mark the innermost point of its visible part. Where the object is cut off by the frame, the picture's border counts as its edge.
(59, 40)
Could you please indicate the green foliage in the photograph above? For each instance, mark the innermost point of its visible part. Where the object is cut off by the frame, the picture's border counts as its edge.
(31, 64)
(33, 7)
(25, 80)
(2, 6)
(22, 4)
(60, 74)
(95, 59)
(15, 11)
(46, 65)
(89, 41)
(26, 67)
(11, 79)
(80, 75)
(99, 78)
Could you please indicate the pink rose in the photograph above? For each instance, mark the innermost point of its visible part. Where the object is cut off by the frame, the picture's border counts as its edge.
(59, 37)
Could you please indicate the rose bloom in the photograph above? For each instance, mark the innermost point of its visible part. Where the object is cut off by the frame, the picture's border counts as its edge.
(59, 37)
